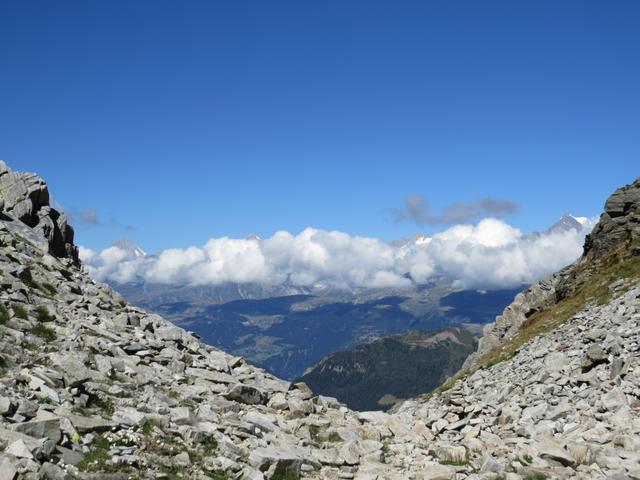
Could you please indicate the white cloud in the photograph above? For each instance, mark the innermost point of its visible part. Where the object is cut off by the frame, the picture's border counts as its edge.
(489, 254)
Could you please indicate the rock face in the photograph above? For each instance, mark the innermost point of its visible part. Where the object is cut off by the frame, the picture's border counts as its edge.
(620, 221)
(93, 388)
(25, 197)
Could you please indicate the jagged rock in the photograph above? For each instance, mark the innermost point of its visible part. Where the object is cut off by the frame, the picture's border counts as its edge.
(25, 197)
(594, 355)
(276, 461)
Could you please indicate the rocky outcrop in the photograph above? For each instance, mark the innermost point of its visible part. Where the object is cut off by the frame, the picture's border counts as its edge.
(25, 197)
(620, 221)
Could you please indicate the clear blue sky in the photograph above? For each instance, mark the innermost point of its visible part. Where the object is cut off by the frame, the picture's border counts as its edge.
(181, 121)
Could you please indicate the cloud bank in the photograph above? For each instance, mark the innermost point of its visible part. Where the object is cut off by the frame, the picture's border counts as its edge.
(490, 254)
(417, 210)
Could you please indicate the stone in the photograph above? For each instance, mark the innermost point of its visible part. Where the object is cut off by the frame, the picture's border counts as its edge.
(50, 471)
(595, 355)
(6, 406)
(8, 470)
(19, 449)
(245, 394)
(129, 416)
(182, 416)
(553, 451)
(276, 461)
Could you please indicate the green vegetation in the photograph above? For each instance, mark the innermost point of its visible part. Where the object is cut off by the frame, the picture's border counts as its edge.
(43, 314)
(399, 366)
(525, 460)
(286, 476)
(104, 404)
(600, 273)
(19, 311)
(46, 333)
(4, 315)
(49, 288)
(217, 475)
(596, 290)
(454, 463)
(147, 427)
(210, 446)
(66, 274)
(536, 476)
(97, 457)
(172, 472)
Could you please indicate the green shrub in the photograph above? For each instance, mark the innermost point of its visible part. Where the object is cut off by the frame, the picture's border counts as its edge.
(210, 446)
(104, 404)
(286, 476)
(147, 427)
(43, 314)
(45, 333)
(19, 311)
(49, 288)
(4, 315)
(96, 459)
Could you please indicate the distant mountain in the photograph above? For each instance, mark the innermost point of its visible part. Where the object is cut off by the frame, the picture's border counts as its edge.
(377, 375)
(287, 328)
(131, 248)
(286, 335)
(568, 222)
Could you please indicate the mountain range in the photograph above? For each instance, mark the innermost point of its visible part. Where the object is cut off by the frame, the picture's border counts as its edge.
(93, 387)
(287, 329)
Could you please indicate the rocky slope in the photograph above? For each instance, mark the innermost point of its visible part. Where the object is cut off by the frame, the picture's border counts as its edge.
(377, 375)
(94, 388)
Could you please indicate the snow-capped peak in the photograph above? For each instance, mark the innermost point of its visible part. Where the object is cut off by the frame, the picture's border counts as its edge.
(130, 247)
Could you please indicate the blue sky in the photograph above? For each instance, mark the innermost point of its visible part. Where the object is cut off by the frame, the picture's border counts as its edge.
(180, 121)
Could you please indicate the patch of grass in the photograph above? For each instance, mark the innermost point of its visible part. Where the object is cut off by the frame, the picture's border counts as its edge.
(66, 274)
(43, 315)
(604, 271)
(286, 476)
(525, 460)
(104, 404)
(536, 476)
(210, 446)
(50, 289)
(46, 333)
(31, 283)
(596, 290)
(32, 347)
(217, 475)
(454, 463)
(4, 315)
(19, 311)
(172, 472)
(96, 459)
(147, 427)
